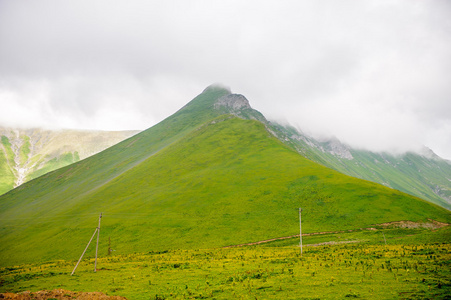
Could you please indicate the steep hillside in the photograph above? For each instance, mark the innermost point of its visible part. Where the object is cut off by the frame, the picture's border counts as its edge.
(423, 175)
(202, 178)
(29, 153)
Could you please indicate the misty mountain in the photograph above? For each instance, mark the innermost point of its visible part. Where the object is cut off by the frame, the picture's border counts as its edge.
(29, 153)
(211, 175)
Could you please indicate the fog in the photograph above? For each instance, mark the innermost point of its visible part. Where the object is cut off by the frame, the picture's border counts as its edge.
(374, 74)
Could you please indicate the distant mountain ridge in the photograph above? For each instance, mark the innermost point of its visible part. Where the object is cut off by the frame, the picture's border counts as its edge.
(425, 175)
(29, 153)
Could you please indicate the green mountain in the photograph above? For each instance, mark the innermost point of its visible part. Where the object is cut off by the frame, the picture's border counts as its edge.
(210, 175)
(29, 153)
(424, 175)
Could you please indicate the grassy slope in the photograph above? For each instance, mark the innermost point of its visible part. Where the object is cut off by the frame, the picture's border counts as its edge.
(410, 173)
(427, 178)
(63, 160)
(195, 180)
(35, 207)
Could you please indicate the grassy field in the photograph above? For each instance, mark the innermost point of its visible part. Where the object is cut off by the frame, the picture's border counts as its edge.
(378, 264)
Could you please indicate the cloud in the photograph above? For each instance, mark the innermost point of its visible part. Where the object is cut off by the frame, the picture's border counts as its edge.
(374, 74)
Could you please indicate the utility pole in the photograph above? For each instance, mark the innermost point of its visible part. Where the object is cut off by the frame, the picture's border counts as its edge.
(97, 245)
(95, 231)
(300, 228)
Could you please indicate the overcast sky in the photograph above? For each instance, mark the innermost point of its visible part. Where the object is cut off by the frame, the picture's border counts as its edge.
(374, 74)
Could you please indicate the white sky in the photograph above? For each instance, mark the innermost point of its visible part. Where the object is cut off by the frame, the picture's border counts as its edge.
(375, 74)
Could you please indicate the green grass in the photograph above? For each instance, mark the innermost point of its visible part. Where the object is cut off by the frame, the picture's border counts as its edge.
(365, 270)
(55, 163)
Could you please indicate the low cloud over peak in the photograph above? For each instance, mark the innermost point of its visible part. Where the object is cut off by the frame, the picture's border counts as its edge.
(375, 74)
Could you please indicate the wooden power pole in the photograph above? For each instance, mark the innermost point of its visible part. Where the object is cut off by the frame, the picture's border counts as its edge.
(97, 245)
(98, 233)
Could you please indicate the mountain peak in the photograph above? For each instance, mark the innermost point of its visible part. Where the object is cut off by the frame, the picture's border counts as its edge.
(239, 106)
(217, 86)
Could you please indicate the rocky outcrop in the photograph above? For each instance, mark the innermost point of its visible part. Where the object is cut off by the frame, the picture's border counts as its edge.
(234, 102)
(238, 106)
(336, 148)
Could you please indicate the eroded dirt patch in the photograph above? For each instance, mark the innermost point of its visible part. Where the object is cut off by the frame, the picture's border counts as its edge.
(432, 224)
